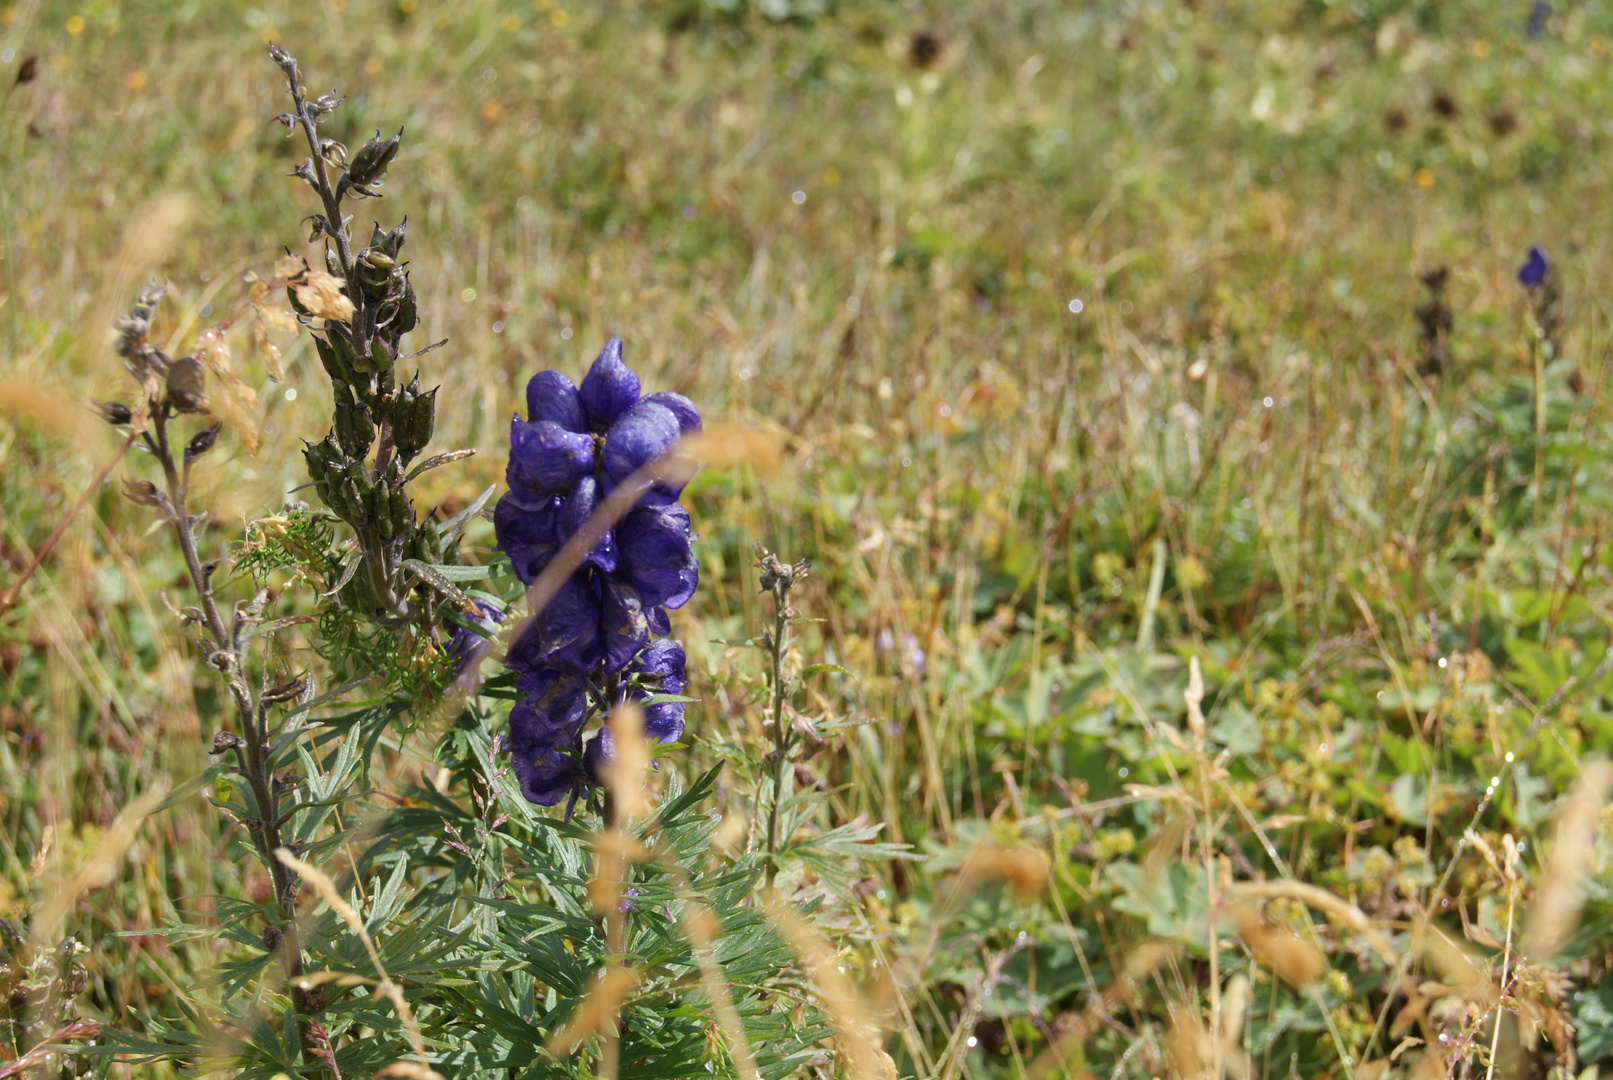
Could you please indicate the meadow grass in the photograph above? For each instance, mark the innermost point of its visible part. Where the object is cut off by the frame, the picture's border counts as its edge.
(1090, 336)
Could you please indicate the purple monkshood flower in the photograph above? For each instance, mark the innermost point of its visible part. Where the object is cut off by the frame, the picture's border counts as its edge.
(598, 634)
(464, 639)
(1532, 274)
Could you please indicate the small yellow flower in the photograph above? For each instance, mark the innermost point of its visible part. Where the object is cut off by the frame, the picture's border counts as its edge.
(491, 110)
(372, 66)
(138, 81)
(269, 34)
(831, 176)
(1481, 49)
(76, 24)
(558, 18)
(407, 6)
(1424, 178)
(510, 24)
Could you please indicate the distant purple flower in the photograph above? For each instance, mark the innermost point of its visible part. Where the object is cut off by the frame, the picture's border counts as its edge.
(1532, 274)
(464, 640)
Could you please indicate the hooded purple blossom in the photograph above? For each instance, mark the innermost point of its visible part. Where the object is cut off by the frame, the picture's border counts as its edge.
(545, 727)
(1532, 274)
(465, 639)
(578, 444)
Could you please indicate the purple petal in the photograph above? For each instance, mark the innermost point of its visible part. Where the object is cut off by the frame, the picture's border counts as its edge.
(679, 406)
(545, 773)
(545, 458)
(465, 639)
(566, 632)
(551, 711)
(622, 618)
(664, 722)
(662, 661)
(551, 396)
(529, 536)
(600, 751)
(643, 434)
(654, 554)
(1533, 272)
(610, 388)
(578, 508)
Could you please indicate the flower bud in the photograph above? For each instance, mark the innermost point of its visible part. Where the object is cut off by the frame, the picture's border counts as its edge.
(143, 492)
(336, 355)
(408, 316)
(414, 417)
(354, 429)
(113, 412)
(187, 385)
(201, 442)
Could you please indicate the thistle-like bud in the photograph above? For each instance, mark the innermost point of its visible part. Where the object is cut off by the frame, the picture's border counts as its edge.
(201, 442)
(355, 431)
(414, 417)
(370, 162)
(187, 385)
(113, 412)
(143, 492)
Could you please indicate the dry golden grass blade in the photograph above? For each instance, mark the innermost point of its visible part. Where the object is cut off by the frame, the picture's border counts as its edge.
(624, 774)
(864, 1058)
(152, 233)
(1450, 961)
(1188, 1045)
(596, 1012)
(1194, 696)
(1557, 902)
(1024, 868)
(727, 445)
(234, 402)
(99, 869)
(1234, 1006)
(52, 406)
(1295, 960)
(411, 1069)
(326, 888)
(1325, 902)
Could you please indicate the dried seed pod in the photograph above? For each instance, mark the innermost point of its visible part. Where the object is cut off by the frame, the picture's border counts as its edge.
(143, 492)
(201, 442)
(187, 385)
(370, 162)
(113, 412)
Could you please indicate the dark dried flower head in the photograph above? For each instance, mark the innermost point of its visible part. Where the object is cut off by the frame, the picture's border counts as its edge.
(1395, 119)
(1502, 122)
(29, 71)
(1445, 105)
(142, 492)
(201, 442)
(113, 412)
(187, 385)
(924, 48)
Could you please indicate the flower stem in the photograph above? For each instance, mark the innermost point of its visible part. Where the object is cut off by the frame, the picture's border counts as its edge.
(778, 645)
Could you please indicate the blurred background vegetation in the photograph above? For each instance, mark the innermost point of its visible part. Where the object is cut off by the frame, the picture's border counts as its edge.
(1098, 337)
